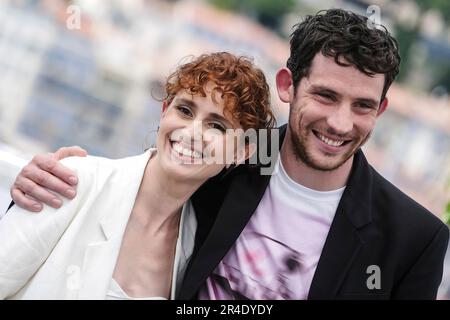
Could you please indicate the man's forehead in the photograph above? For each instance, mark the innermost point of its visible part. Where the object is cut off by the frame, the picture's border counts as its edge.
(325, 72)
(323, 64)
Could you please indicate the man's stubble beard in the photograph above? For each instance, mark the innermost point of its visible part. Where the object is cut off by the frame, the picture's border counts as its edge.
(301, 153)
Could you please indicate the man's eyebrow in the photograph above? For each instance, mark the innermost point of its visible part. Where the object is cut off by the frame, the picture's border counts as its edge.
(323, 89)
(212, 115)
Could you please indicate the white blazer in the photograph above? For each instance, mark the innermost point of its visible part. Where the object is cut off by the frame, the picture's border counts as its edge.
(71, 252)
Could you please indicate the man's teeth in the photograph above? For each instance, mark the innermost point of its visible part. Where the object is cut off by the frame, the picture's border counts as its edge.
(184, 151)
(334, 143)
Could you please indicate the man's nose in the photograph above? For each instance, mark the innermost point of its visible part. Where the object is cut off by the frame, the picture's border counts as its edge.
(341, 120)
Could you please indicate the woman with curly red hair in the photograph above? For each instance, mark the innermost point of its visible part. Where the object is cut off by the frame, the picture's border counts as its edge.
(129, 232)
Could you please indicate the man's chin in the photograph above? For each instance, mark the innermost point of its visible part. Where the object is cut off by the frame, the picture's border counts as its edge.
(326, 162)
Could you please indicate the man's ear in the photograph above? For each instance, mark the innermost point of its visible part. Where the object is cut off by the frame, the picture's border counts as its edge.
(245, 153)
(285, 85)
(383, 106)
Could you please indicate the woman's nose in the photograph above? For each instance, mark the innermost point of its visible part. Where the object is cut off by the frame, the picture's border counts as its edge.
(193, 133)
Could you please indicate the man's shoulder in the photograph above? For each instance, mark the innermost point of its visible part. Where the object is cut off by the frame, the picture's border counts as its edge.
(396, 206)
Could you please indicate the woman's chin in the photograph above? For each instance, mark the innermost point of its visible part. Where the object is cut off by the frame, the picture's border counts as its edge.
(187, 172)
(186, 168)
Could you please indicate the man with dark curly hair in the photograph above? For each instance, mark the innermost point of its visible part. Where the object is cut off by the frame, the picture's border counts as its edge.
(325, 224)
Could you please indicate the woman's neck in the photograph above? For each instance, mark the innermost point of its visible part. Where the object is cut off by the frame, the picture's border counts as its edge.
(160, 198)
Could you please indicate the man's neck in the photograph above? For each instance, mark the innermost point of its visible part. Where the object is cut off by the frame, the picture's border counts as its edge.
(303, 174)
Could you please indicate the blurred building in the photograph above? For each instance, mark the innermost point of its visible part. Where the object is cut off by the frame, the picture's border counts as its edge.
(11, 161)
(410, 146)
(95, 85)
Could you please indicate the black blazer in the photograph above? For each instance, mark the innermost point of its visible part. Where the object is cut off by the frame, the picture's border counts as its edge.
(375, 224)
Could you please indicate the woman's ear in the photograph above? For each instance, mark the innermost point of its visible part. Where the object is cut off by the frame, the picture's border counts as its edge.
(165, 106)
(285, 85)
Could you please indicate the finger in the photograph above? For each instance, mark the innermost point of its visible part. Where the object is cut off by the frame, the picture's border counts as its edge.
(65, 152)
(49, 181)
(48, 163)
(29, 188)
(25, 202)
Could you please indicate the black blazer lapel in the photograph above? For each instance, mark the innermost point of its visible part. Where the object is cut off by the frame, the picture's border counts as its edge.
(341, 247)
(244, 195)
(216, 234)
(344, 239)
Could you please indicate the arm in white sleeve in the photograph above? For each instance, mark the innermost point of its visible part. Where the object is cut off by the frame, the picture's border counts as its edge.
(27, 238)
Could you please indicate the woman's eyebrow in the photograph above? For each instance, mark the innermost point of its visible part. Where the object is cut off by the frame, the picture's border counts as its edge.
(216, 116)
(211, 115)
(190, 103)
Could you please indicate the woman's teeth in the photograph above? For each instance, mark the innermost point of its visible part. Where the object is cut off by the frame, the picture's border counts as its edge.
(333, 143)
(184, 151)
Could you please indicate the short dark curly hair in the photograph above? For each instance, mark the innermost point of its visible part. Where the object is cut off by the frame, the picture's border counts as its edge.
(343, 34)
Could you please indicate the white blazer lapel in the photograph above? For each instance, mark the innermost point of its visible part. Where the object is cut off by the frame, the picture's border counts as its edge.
(117, 203)
(185, 246)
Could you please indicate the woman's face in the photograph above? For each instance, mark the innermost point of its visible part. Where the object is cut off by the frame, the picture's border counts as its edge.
(195, 138)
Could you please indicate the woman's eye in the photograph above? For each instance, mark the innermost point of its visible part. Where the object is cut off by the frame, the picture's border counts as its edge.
(184, 110)
(217, 126)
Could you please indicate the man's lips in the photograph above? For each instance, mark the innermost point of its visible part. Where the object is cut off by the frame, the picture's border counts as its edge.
(331, 141)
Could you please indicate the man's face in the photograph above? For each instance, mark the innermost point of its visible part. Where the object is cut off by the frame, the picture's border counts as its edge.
(333, 113)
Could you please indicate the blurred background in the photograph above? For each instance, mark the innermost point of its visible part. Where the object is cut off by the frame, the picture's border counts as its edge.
(87, 73)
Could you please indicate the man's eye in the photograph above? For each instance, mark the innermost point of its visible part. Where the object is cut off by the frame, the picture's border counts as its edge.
(184, 110)
(365, 106)
(325, 96)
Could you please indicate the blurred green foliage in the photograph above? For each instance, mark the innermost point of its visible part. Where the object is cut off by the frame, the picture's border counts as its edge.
(408, 36)
(269, 13)
(443, 6)
(446, 216)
